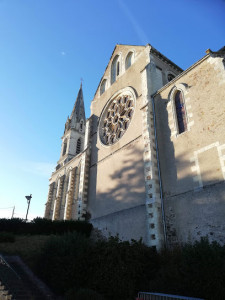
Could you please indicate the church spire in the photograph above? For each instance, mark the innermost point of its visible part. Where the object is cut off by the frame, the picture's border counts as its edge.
(78, 112)
(74, 133)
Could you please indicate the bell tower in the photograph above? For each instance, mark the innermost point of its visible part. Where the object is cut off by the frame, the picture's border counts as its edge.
(74, 133)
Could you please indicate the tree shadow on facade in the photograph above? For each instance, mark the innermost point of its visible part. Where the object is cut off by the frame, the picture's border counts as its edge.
(117, 190)
(193, 195)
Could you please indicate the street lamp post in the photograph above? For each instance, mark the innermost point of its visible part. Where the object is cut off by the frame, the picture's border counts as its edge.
(28, 202)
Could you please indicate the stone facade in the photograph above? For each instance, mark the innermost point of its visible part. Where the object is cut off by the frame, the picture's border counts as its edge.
(150, 165)
(193, 163)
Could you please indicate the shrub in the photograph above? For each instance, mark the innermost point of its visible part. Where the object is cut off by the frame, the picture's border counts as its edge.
(115, 269)
(118, 269)
(44, 226)
(121, 268)
(64, 261)
(11, 225)
(192, 270)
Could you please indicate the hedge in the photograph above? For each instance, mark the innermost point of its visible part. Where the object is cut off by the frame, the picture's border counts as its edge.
(44, 226)
(118, 270)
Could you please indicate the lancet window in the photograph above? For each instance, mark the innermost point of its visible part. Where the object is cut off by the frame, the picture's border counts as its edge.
(64, 146)
(180, 112)
(129, 60)
(115, 68)
(103, 86)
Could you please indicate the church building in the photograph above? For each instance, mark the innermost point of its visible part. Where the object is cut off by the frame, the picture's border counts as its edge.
(150, 161)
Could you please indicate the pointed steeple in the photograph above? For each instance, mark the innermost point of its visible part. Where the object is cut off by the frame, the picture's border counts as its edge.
(74, 133)
(78, 112)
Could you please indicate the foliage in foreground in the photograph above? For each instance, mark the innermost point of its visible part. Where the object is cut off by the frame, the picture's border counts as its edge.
(118, 270)
(44, 226)
(79, 268)
(196, 270)
(27, 247)
(115, 269)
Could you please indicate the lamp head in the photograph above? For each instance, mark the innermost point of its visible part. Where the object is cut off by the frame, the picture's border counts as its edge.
(28, 197)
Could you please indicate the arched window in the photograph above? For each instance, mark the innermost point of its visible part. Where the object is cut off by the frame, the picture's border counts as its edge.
(115, 68)
(170, 77)
(64, 146)
(102, 87)
(129, 60)
(78, 149)
(180, 112)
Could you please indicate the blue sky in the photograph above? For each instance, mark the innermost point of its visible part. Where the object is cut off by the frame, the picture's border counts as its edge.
(46, 46)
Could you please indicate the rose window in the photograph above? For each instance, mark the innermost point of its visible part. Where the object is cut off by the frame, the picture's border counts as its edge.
(116, 119)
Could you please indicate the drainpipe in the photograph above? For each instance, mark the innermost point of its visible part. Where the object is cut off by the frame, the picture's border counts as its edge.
(159, 173)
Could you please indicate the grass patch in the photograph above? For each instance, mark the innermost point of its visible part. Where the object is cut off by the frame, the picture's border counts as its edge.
(28, 247)
(7, 237)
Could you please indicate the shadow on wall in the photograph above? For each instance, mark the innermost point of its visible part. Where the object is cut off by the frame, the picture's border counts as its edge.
(117, 190)
(193, 191)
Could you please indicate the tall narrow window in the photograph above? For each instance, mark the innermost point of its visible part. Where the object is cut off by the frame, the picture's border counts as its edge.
(129, 60)
(118, 69)
(81, 125)
(180, 112)
(115, 68)
(78, 149)
(102, 87)
(159, 79)
(64, 147)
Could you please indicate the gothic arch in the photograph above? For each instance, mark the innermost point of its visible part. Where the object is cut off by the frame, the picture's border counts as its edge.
(180, 116)
(129, 59)
(115, 68)
(103, 86)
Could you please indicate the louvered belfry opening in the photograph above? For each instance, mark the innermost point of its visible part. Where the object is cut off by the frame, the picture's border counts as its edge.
(78, 146)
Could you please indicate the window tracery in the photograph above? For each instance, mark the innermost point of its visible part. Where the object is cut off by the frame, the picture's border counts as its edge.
(116, 118)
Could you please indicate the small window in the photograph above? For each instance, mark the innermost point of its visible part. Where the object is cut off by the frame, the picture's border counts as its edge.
(81, 125)
(78, 149)
(129, 60)
(103, 86)
(180, 112)
(170, 77)
(64, 146)
(118, 69)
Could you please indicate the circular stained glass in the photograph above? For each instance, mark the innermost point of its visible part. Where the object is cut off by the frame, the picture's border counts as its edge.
(116, 118)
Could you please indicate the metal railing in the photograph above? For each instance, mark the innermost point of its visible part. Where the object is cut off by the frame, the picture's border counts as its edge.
(159, 296)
